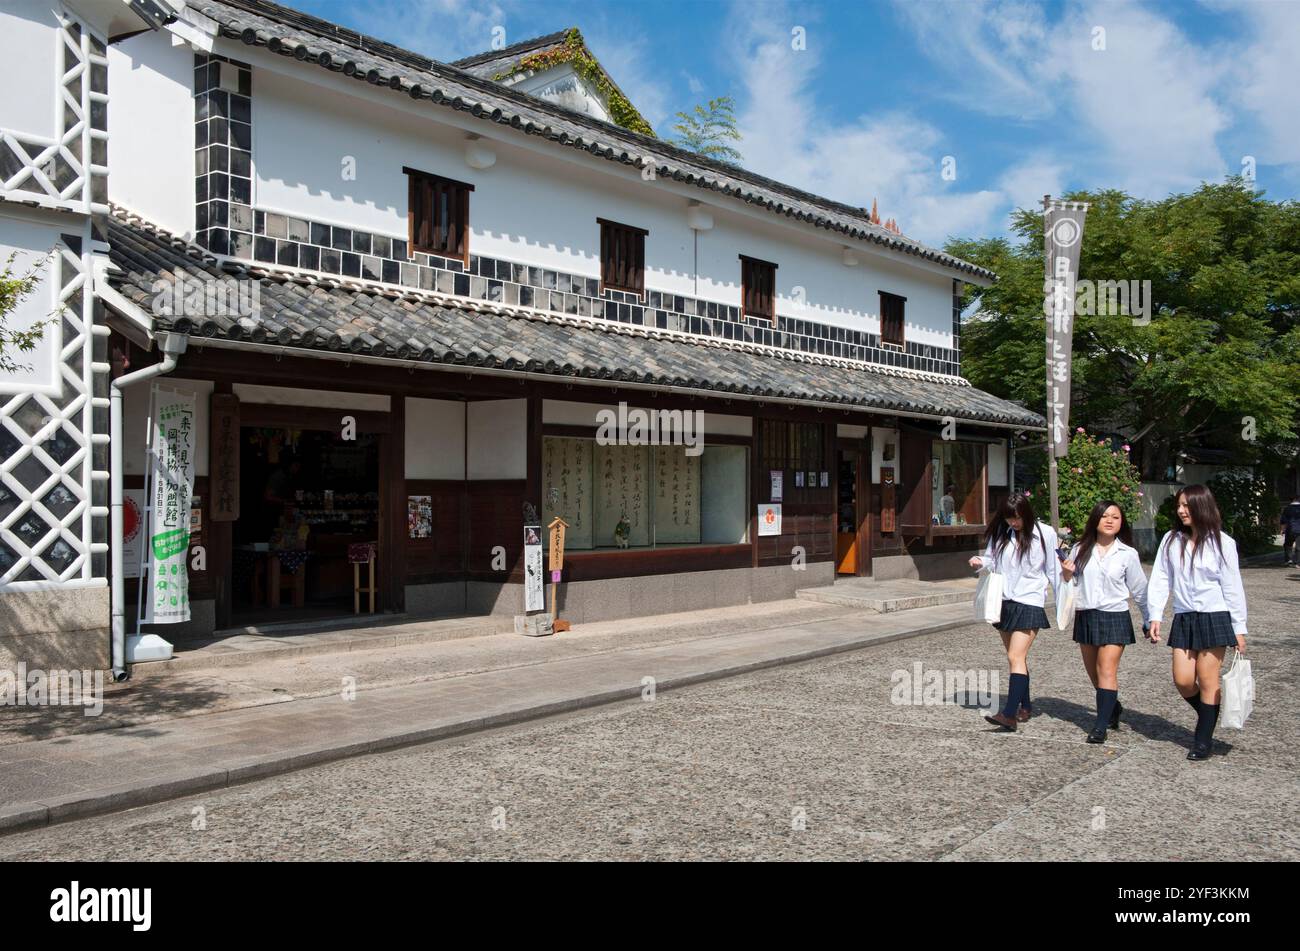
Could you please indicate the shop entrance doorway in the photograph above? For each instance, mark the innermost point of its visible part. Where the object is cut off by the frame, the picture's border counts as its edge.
(310, 497)
(852, 521)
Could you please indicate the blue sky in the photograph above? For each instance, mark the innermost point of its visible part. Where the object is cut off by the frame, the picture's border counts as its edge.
(1017, 96)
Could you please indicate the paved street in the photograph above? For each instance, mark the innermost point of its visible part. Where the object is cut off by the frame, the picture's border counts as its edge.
(807, 761)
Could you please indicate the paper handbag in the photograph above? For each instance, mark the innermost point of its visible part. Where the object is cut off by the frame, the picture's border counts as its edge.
(1238, 694)
(988, 597)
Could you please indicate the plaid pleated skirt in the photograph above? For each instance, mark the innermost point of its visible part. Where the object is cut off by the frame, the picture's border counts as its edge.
(1018, 616)
(1201, 630)
(1099, 628)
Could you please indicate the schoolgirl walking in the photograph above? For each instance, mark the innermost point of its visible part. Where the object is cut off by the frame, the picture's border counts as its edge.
(1108, 571)
(1197, 563)
(1023, 551)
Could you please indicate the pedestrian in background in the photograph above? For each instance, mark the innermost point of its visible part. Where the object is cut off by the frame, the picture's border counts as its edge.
(1291, 533)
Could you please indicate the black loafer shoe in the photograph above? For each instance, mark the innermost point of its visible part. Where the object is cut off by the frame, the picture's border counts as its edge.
(1098, 735)
(1114, 716)
(1198, 753)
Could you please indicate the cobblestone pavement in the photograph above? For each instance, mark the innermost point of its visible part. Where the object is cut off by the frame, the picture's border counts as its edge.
(808, 761)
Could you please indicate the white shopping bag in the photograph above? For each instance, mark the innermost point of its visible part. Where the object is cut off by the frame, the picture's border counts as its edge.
(1238, 694)
(988, 597)
(1065, 605)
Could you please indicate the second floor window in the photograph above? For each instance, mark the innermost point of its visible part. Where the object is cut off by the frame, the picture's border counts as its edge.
(622, 257)
(438, 215)
(758, 287)
(891, 318)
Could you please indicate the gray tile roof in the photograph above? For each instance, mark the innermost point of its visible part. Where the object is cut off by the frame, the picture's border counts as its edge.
(312, 313)
(489, 63)
(315, 41)
(493, 63)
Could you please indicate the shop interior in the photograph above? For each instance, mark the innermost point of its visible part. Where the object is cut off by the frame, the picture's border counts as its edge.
(956, 489)
(846, 514)
(307, 496)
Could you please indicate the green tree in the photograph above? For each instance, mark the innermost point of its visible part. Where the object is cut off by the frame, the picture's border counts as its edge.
(14, 289)
(707, 129)
(1217, 365)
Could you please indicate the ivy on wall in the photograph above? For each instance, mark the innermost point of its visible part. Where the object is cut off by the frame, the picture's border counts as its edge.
(574, 51)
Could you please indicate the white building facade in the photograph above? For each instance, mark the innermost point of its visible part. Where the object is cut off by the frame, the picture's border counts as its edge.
(471, 261)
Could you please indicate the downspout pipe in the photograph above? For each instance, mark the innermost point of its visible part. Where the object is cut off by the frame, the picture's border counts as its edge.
(173, 345)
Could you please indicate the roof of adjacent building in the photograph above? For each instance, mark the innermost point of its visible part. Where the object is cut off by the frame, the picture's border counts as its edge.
(312, 40)
(317, 314)
(499, 65)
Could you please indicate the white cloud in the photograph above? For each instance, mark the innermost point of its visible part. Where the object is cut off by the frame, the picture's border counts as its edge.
(440, 29)
(892, 156)
(1264, 83)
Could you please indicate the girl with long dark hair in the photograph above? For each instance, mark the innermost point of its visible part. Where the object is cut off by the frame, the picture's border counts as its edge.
(1197, 561)
(1109, 570)
(1023, 551)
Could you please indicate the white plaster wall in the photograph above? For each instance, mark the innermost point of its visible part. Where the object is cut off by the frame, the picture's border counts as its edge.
(151, 129)
(29, 43)
(135, 422)
(291, 396)
(540, 207)
(998, 462)
(570, 413)
(31, 239)
(879, 437)
(435, 439)
(497, 445)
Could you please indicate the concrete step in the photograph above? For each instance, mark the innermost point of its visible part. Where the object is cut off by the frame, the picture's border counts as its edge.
(884, 597)
(254, 645)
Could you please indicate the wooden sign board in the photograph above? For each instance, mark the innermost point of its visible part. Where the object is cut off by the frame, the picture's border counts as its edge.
(223, 457)
(887, 500)
(557, 527)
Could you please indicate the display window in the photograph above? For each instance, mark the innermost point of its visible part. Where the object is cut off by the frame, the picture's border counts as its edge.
(638, 497)
(956, 483)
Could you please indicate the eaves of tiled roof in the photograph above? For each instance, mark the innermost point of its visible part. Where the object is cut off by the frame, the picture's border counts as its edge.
(319, 315)
(311, 40)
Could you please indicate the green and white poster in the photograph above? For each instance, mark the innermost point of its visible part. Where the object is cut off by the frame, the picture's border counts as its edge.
(171, 487)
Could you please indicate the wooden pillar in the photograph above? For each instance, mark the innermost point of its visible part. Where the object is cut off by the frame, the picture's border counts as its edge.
(392, 535)
(533, 477)
(221, 536)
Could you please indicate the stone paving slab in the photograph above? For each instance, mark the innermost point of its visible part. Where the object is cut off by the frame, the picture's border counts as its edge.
(156, 692)
(112, 769)
(886, 596)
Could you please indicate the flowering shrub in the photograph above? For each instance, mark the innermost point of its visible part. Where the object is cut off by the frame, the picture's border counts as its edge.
(1089, 472)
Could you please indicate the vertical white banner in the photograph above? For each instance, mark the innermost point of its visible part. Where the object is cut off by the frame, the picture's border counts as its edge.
(171, 487)
(534, 597)
(1063, 239)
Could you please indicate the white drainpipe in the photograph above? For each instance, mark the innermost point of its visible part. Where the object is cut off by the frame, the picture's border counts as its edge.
(173, 345)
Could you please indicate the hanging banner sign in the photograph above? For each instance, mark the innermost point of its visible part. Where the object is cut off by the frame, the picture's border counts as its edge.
(171, 488)
(1063, 239)
(534, 599)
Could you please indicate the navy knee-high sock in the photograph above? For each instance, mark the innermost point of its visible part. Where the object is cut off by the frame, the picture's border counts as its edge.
(1016, 692)
(1024, 701)
(1206, 718)
(1195, 701)
(1106, 700)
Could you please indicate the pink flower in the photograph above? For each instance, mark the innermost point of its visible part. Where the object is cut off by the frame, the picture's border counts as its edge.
(1139, 495)
(1079, 430)
(1127, 447)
